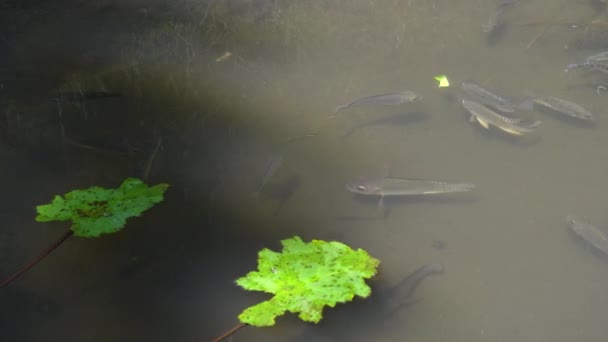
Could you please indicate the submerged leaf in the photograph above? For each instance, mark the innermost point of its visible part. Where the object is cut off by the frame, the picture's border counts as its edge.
(95, 211)
(305, 277)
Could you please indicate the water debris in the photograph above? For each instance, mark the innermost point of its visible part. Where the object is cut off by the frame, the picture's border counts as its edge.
(395, 99)
(224, 57)
(84, 96)
(487, 117)
(480, 94)
(565, 107)
(589, 233)
(150, 160)
(104, 146)
(391, 186)
(443, 81)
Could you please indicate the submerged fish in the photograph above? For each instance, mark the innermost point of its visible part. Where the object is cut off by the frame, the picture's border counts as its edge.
(602, 56)
(382, 100)
(565, 107)
(593, 65)
(485, 96)
(495, 19)
(274, 163)
(401, 294)
(389, 186)
(487, 117)
(590, 233)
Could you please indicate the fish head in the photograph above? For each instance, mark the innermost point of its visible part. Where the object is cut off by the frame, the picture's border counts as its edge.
(573, 223)
(417, 97)
(587, 116)
(364, 187)
(411, 96)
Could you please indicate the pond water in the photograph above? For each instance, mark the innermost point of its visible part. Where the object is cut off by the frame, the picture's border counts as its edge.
(204, 94)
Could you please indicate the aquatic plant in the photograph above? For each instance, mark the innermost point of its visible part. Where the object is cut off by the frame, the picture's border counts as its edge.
(95, 211)
(304, 278)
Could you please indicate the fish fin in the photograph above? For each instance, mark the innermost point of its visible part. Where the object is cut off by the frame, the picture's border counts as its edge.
(483, 123)
(511, 131)
(381, 202)
(472, 118)
(338, 109)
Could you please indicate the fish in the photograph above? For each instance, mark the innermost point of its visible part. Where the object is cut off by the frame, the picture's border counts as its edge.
(602, 56)
(395, 99)
(281, 191)
(401, 119)
(495, 19)
(593, 65)
(590, 233)
(487, 117)
(407, 286)
(485, 96)
(390, 186)
(565, 107)
(274, 163)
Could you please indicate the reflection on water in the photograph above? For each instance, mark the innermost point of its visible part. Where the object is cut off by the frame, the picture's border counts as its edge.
(210, 91)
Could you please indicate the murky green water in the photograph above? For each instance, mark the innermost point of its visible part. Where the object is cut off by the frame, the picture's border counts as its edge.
(220, 86)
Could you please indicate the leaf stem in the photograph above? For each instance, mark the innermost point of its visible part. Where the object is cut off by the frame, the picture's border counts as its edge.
(37, 259)
(229, 332)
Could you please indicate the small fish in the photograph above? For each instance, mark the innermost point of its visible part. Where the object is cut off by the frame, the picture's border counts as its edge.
(406, 287)
(395, 99)
(389, 186)
(602, 56)
(485, 96)
(593, 65)
(401, 119)
(565, 107)
(495, 20)
(486, 117)
(590, 233)
(272, 166)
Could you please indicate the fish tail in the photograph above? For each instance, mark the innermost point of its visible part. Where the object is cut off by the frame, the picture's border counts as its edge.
(340, 108)
(459, 187)
(574, 66)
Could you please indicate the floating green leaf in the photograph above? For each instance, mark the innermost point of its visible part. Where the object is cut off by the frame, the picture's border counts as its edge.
(305, 277)
(443, 81)
(95, 211)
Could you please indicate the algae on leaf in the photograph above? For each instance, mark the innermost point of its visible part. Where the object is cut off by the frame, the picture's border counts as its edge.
(95, 211)
(305, 277)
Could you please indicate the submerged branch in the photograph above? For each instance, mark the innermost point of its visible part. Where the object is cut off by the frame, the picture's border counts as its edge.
(229, 332)
(37, 259)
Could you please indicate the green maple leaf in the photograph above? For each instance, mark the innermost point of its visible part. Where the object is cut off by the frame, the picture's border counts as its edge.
(305, 277)
(95, 211)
